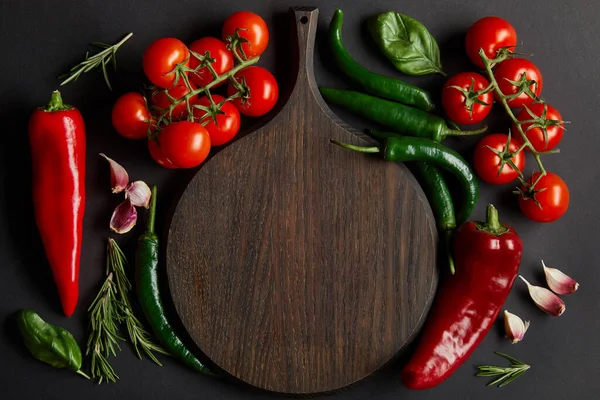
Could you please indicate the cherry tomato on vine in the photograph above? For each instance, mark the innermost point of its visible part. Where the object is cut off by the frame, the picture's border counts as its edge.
(460, 101)
(490, 34)
(161, 100)
(535, 134)
(161, 58)
(263, 91)
(251, 27)
(219, 51)
(131, 117)
(228, 124)
(517, 69)
(487, 163)
(552, 194)
(186, 144)
(158, 156)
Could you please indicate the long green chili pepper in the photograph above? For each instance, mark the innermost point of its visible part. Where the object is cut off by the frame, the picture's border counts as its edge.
(149, 295)
(398, 117)
(434, 185)
(403, 149)
(376, 84)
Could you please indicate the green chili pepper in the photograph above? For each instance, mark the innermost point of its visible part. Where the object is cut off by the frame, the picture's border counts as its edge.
(379, 85)
(399, 117)
(403, 149)
(149, 295)
(434, 185)
(49, 343)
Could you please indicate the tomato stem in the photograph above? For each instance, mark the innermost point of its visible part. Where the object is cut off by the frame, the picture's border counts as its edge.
(488, 64)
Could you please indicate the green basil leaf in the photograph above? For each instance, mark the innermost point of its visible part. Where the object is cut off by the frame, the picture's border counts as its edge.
(406, 43)
(48, 343)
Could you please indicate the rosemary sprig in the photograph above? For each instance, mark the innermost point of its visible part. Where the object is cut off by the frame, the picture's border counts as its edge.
(105, 316)
(506, 374)
(111, 307)
(138, 335)
(101, 59)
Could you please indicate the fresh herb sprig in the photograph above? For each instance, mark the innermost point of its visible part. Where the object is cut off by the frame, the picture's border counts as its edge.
(104, 336)
(506, 374)
(111, 308)
(106, 56)
(138, 335)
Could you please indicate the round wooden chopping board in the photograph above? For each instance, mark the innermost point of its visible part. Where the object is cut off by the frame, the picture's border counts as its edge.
(297, 266)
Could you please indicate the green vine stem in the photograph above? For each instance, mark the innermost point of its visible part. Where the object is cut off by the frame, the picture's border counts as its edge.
(182, 70)
(489, 64)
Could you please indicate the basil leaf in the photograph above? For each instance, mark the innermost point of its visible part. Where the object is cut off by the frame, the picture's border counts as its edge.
(48, 343)
(406, 43)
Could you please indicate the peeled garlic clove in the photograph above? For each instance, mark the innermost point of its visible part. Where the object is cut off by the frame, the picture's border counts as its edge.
(515, 327)
(124, 217)
(118, 175)
(559, 282)
(139, 194)
(547, 301)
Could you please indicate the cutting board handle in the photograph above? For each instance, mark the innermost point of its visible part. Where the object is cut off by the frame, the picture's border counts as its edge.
(306, 20)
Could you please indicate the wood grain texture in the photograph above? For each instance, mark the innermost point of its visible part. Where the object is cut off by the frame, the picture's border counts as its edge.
(297, 266)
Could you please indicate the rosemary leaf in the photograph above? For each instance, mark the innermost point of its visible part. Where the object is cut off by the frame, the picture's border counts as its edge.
(506, 374)
(99, 60)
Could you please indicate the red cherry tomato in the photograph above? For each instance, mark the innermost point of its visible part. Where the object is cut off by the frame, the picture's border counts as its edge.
(131, 117)
(462, 109)
(161, 58)
(490, 34)
(219, 51)
(186, 144)
(161, 100)
(513, 69)
(252, 28)
(553, 199)
(158, 156)
(535, 134)
(263, 91)
(228, 124)
(487, 163)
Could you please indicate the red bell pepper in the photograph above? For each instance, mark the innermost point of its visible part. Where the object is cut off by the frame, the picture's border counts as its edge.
(57, 139)
(487, 258)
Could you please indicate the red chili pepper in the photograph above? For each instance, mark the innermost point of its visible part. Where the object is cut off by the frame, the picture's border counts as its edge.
(57, 139)
(487, 258)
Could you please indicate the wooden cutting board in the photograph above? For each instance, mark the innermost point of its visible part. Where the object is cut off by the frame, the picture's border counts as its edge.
(297, 266)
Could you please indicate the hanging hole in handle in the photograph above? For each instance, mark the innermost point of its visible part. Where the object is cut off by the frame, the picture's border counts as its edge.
(304, 20)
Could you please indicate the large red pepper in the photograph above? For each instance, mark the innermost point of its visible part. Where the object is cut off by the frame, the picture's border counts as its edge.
(487, 258)
(57, 138)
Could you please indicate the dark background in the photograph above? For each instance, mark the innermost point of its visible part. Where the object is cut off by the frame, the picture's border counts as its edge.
(40, 40)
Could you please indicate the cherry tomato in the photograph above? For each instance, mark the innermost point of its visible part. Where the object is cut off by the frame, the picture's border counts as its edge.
(513, 69)
(535, 134)
(186, 144)
(161, 58)
(252, 28)
(263, 91)
(490, 34)
(219, 51)
(158, 156)
(160, 99)
(462, 107)
(553, 199)
(130, 116)
(228, 124)
(487, 163)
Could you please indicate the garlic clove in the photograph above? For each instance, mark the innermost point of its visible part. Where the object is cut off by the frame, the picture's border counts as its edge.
(139, 194)
(118, 175)
(515, 327)
(545, 299)
(559, 282)
(124, 217)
